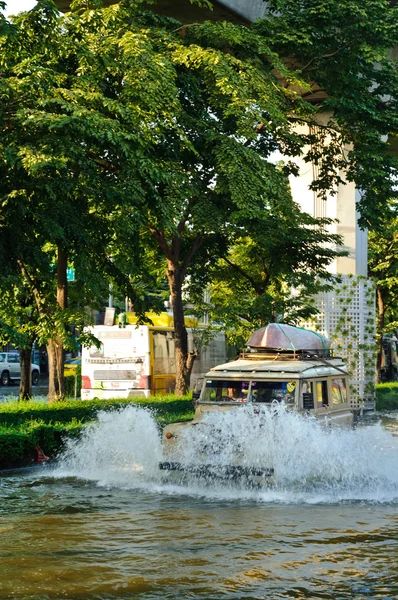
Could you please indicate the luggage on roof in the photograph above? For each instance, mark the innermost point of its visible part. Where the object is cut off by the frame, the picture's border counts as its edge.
(279, 336)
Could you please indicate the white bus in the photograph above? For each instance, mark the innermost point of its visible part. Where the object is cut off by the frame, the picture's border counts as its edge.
(140, 360)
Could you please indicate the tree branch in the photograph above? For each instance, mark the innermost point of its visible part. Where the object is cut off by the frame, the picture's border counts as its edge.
(161, 239)
(32, 285)
(314, 58)
(198, 241)
(242, 273)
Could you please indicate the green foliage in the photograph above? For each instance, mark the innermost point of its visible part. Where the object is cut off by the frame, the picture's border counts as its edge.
(387, 396)
(16, 413)
(70, 157)
(18, 444)
(342, 50)
(25, 425)
(15, 448)
(169, 409)
(271, 274)
(383, 267)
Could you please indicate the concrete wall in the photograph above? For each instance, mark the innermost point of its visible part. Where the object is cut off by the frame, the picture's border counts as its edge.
(248, 9)
(340, 205)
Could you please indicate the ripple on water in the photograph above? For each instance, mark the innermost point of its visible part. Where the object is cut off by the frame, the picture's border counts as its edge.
(102, 524)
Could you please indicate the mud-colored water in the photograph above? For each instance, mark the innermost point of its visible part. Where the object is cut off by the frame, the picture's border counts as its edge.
(103, 524)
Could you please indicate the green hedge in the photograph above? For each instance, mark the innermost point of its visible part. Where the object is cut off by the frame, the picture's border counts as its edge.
(15, 448)
(387, 396)
(26, 425)
(18, 446)
(16, 413)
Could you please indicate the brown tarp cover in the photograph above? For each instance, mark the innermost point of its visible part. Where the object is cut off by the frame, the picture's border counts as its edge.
(287, 337)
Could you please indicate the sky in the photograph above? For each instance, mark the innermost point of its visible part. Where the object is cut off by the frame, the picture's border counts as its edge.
(15, 6)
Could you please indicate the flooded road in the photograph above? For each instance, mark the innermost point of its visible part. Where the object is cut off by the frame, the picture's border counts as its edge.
(102, 524)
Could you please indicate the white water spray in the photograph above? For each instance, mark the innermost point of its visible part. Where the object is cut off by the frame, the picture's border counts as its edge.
(312, 462)
(121, 449)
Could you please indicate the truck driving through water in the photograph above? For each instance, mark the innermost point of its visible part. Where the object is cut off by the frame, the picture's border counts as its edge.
(282, 365)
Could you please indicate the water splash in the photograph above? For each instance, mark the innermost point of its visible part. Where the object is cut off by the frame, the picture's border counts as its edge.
(121, 449)
(312, 462)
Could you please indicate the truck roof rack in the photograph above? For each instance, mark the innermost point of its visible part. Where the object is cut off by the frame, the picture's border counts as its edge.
(277, 354)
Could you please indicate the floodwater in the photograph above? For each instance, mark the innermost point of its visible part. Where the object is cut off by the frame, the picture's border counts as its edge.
(103, 524)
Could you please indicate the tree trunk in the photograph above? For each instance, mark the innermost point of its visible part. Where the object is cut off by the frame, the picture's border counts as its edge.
(25, 385)
(55, 347)
(184, 359)
(56, 387)
(379, 333)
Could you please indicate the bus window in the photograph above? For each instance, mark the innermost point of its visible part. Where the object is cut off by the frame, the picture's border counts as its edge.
(270, 391)
(163, 352)
(96, 352)
(322, 393)
(339, 390)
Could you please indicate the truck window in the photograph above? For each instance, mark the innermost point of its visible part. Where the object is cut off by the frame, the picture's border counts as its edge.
(307, 395)
(225, 390)
(322, 393)
(270, 391)
(339, 390)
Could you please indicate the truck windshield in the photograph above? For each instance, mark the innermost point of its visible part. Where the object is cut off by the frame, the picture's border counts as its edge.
(227, 390)
(218, 390)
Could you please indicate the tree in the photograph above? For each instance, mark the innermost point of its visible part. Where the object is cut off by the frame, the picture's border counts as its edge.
(240, 102)
(70, 157)
(17, 326)
(215, 165)
(275, 265)
(342, 50)
(118, 121)
(383, 267)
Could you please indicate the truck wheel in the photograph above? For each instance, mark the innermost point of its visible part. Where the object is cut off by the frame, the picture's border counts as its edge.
(5, 378)
(35, 377)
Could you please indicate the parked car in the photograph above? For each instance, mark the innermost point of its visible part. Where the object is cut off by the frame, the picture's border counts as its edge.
(71, 365)
(10, 369)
